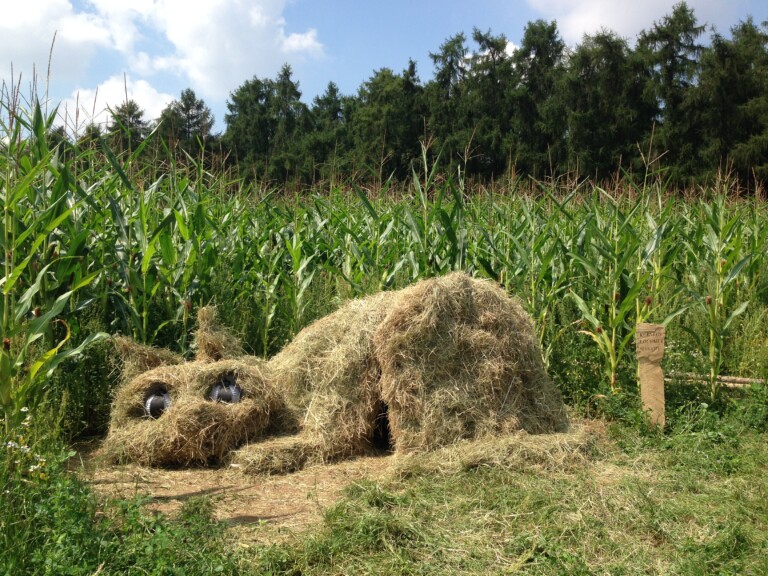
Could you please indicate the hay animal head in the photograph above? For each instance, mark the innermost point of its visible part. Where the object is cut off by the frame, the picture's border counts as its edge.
(171, 412)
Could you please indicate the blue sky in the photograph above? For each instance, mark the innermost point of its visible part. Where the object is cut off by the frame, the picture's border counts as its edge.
(153, 49)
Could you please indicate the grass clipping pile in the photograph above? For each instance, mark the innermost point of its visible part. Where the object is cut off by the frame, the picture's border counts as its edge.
(446, 360)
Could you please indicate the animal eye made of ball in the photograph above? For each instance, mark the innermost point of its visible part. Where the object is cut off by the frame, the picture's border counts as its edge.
(226, 390)
(157, 401)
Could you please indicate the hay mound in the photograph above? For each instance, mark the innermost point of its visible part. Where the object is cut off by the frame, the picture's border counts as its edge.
(557, 452)
(330, 377)
(277, 455)
(460, 359)
(212, 340)
(447, 359)
(137, 359)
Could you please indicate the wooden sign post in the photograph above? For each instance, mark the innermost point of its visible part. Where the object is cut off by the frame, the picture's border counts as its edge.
(650, 351)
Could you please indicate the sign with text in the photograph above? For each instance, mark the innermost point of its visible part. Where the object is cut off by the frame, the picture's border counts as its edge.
(650, 351)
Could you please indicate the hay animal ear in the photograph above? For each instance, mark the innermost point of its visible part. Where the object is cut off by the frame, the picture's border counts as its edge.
(213, 341)
(139, 358)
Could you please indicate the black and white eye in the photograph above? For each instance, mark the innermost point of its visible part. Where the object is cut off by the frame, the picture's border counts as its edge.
(226, 390)
(157, 401)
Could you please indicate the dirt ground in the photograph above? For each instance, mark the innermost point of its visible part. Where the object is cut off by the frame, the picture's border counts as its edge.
(272, 509)
(259, 508)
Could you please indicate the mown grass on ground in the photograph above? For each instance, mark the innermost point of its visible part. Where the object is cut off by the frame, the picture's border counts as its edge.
(691, 502)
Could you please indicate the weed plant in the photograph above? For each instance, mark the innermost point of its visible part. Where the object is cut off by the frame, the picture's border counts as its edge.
(51, 523)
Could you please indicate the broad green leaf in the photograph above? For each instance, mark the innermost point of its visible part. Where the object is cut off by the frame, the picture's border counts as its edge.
(40, 325)
(6, 377)
(674, 315)
(736, 312)
(183, 229)
(410, 220)
(366, 203)
(736, 270)
(24, 304)
(585, 311)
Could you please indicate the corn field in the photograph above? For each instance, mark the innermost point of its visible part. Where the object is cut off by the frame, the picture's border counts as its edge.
(96, 244)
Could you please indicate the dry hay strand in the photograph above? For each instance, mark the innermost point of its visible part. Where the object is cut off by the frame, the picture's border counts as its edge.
(276, 455)
(193, 429)
(212, 341)
(557, 452)
(460, 359)
(138, 358)
(330, 377)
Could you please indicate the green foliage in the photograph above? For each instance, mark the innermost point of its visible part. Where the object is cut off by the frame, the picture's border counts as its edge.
(186, 122)
(329, 137)
(265, 120)
(714, 250)
(609, 111)
(45, 264)
(446, 102)
(493, 110)
(47, 514)
(671, 54)
(751, 409)
(486, 109)
(52, 524)
(539, 107)
(386, 123)
(128, 128)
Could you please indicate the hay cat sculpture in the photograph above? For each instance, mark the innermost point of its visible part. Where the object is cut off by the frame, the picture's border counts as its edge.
(446, 359)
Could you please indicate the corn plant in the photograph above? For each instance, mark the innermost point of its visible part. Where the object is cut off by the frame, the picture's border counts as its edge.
(498, 253)
(366, 238)
(610, 245)
(297, 240)
(255, 262)
(716, 259)
(437, 237)
(39, 280)
(159, 242)
(527, 253)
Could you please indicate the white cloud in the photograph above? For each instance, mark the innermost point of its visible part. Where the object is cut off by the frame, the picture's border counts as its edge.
(92, 105)
(27, 32)
(220, 44)
(120, 18)
(627, 17)
(298, 43)
(211, 46)
(33, 12)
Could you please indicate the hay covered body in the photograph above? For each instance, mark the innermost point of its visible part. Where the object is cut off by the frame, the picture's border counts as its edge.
(445, 360)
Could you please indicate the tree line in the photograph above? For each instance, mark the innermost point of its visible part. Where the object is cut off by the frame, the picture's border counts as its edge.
(491, 109)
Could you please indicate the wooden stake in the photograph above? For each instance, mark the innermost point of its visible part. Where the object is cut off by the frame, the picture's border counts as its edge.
(650, 350)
